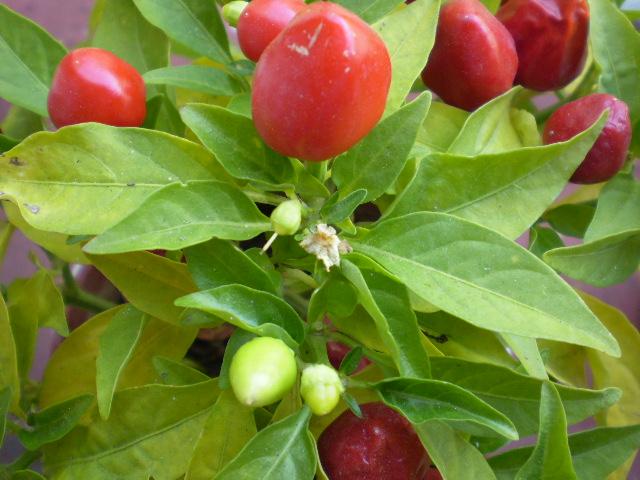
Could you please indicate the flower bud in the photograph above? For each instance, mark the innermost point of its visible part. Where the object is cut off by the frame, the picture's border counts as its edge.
(320, 388)
(231, 11)
(287, 217)
(262, 371)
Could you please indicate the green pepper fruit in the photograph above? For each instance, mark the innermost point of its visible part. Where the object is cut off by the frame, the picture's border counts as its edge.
(262, 371)
(287, 217)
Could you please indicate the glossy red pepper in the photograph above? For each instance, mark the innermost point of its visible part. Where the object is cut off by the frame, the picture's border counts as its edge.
(321, 85)
(94, 85)
(608, 154)
(473, 59)
(382, 445)
(261, 21)
(551, 40)
(337, 351)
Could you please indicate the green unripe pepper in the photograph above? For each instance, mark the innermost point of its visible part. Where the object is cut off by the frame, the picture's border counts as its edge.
(262, 371)
(287, 217)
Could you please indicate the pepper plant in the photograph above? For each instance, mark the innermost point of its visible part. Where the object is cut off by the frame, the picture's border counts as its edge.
(364, 251)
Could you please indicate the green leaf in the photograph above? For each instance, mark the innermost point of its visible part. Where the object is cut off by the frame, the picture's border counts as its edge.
(158, 445)
(227, 430)
(624, 372)
(6, 232)
(387, 301)
(125, 32)
(5, 404)
(117, 344)
(492, 128)
(28, 58)
(335, 296)
(616, 49)
(39, 299)
(150, 282)
(526, 349)
(180, 215)
(7, 143)
(9, 376)
(284, 449)
(607, 261)
(369, 11)
(172, 372)
(617, 209)
(516, 395)
(26, 475)
(218, 262)
(351, 361)
(19, 123)
(441, 127)
(424, 400)
(194, 24)
(376, 161)
(505, 191)
(235, 142)
(34, 303)
(240, 104)
(596, 453)
(551, 457)
(461, 339)
(452, 454)
(258, 312)
(195, 77)
(409, 34)
(484, 286)
(85, 178)
(542, 239)
(55, 243)
(335, 211)
(162, 115)
(71, 371)
(611, 249)
(53, 423)
(571, 219)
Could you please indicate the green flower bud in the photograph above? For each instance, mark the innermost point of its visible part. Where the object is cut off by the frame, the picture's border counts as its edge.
(262, 371)
(287, 217)
(231, 11)
(321, 388)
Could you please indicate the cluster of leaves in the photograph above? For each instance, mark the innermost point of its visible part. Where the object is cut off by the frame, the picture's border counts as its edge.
(475, 339)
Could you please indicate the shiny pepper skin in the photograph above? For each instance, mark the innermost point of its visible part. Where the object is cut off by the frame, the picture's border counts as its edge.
(473, 59)
(94, 85)
(261, 21)
(321, 85)
(551, 40)
(382, 445)
(608, 154)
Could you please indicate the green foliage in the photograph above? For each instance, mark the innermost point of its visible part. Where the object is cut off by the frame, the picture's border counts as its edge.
(28, 58)
(474, 339)
(122, 30)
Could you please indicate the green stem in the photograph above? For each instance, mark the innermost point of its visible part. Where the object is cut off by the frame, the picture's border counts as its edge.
(25, 460)
(74, 295)
(263, 197)
(318, 169)
(298, 302)
(87, 300)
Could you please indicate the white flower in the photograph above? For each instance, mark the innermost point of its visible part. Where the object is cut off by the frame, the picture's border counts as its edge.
(323, 242)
